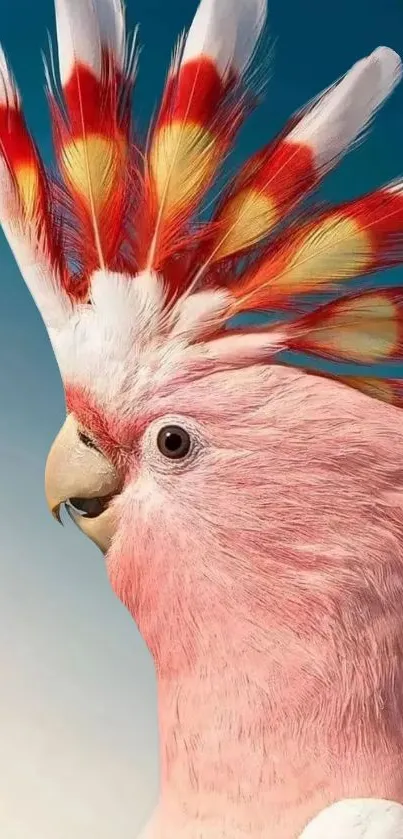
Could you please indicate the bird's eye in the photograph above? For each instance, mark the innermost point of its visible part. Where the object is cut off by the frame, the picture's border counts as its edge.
(173, 442)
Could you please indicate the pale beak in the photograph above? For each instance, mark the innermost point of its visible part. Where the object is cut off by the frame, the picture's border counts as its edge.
(76, 473)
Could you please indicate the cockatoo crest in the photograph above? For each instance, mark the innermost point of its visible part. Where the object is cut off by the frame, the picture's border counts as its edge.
(130, 281)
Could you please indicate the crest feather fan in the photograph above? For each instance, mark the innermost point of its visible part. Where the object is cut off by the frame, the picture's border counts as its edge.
(133, 214)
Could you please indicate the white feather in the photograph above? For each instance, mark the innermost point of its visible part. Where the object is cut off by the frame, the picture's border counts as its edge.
(9, 94)
(111, 20)
(83, 28)
(53, 303)
(395, 187)
(390, 66)
(31, 257)
(119, 338)
(26, 243)
(226, 31)
(249, 348)
(345, 110)
(360, 818)
(251, 19)
(78, 37)
(193, 316)
(131, 306)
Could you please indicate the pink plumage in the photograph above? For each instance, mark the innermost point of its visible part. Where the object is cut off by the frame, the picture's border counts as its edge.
(251, 514)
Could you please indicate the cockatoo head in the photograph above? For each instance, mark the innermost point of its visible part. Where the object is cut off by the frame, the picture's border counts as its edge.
(206, 467)
(258, 488)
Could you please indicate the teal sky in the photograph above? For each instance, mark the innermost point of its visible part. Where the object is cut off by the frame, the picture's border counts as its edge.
(78, 738)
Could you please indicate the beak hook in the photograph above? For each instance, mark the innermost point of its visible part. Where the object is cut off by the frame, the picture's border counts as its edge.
(56, 514)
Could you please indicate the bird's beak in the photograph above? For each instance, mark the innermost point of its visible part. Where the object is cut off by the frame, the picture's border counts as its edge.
(83, 479)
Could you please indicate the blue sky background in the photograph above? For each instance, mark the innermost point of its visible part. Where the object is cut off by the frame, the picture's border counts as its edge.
(78, 738)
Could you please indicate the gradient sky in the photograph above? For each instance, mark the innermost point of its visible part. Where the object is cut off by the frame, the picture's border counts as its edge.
(78, 734)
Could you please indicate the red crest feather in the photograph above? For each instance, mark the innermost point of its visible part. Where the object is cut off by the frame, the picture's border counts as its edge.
(117, 208)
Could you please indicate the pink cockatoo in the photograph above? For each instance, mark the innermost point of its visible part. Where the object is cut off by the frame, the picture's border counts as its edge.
(251, 513)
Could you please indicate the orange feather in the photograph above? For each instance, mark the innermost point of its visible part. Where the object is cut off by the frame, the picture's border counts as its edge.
(326, 253)
(203, 106)
(386, 390)
(364, 328)
(31, 186)
(268, 186)
(92, 129)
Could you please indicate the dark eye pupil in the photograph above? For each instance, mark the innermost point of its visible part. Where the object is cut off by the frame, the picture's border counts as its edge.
(173, 442)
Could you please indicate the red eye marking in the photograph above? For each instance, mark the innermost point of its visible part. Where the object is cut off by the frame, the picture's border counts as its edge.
(109, 433)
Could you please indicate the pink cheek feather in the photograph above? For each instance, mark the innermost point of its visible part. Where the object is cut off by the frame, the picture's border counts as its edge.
(116, 439)
(267, 582)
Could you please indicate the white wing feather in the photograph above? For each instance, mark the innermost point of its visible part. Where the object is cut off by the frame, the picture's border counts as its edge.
(357, 818)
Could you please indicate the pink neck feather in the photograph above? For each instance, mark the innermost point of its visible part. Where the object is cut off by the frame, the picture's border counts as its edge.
(269, 588)
(267, 739)
(261, 728)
